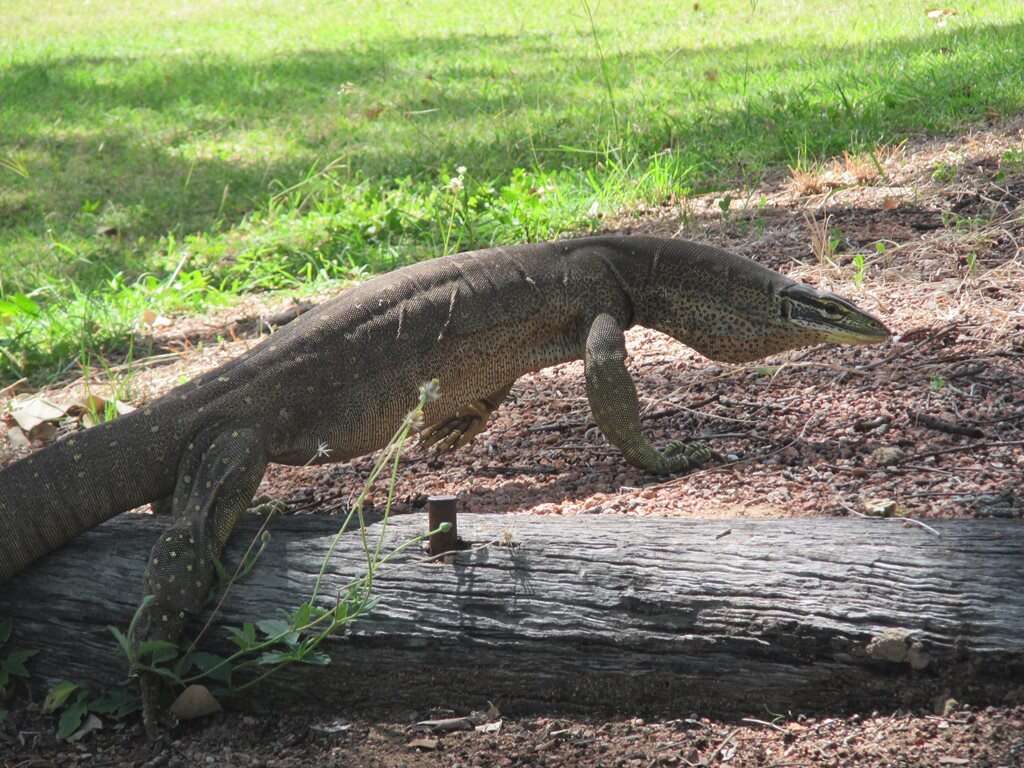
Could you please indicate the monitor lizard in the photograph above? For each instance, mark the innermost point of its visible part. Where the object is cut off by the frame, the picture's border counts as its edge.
(337, 382)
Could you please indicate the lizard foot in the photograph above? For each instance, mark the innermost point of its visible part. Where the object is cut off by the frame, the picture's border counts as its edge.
(457, 431)
(178, 581)
(265, 505)
(679, 456)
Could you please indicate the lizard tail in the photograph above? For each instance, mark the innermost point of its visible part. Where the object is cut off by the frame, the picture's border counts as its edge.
(75, 484)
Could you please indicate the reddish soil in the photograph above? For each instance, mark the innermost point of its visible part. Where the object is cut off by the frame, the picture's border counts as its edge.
(928, 425)
(991, 738)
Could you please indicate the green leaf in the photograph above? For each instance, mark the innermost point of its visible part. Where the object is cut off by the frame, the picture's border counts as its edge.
(302, 615)
(275, 657)
(122, 640)
(71, 720)
(244, 638)
(159, 651)
(19, 304)
(15, 662)
(316, 658)
(58, 694)
(116, 703)
(274, 627)
(213, 666)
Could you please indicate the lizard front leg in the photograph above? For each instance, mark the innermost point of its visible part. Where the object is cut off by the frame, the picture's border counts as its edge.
(461, 428)
(217, 479)
(616, 409)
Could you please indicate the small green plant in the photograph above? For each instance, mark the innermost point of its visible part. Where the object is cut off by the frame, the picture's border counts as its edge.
(14, 165)
(971, 260)
(1012, 162)
(937, 383)
(859, 269)
(12, 662)
(75, 702)
(835, 239)
(944, 173)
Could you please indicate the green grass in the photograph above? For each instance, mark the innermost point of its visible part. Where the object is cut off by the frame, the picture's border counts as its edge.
(174, 155)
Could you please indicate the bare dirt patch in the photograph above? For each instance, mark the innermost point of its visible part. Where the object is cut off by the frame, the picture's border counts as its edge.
(929, 425)
(990, 738)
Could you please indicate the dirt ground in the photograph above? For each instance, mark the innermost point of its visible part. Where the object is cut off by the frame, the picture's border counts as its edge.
(928, 425)
(990, 738)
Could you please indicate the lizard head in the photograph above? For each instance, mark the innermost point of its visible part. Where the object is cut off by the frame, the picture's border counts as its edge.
(732, 309)
(829, 317)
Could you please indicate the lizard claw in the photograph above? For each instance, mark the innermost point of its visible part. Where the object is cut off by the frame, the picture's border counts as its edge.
(679, 456)
(457, 431)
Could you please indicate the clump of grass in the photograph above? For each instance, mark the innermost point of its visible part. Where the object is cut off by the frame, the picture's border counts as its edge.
(824, 241)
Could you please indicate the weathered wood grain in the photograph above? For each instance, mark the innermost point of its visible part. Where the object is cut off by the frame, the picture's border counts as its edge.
(598, 614)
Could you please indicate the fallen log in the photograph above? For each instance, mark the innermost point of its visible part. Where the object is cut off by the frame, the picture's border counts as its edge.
(605, 614)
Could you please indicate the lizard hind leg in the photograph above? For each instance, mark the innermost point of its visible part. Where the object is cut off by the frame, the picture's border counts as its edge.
(217, 478)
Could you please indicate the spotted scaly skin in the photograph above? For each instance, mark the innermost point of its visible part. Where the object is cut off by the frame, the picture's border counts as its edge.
(337, 382)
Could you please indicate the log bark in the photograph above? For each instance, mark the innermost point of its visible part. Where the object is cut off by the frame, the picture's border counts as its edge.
(601, 615)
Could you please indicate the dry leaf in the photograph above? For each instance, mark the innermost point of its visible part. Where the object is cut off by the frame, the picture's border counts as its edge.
(489, 727)
(940, 15)
(85, 404)
(195, 701)
(29, 412)
(424, 744)
(448, 724)
(18, 439)
(337, 726)
(890, 203)
(43, 433)
(92, 723)
(150, 320)
(711, 75)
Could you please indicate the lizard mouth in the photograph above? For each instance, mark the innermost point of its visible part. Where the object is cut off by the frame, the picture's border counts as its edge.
(859, 336)
(834, 318)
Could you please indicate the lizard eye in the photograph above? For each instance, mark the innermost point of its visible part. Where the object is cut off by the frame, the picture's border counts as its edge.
(831, 310)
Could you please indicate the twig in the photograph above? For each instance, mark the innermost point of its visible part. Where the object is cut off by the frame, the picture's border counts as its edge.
(540, 469)
(866, 425)
(943, 425)
(901, 519)
(12, 387)
(556, 426)
(936, 334)
(764, 722)
(962, 448)
(721, 745)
